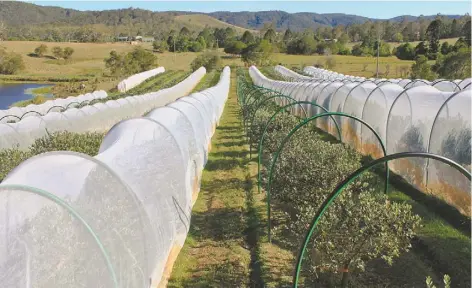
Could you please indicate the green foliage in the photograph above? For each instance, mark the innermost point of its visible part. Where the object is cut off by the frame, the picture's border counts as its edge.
(466, 32)
(432, 32)
(88, 143)
(196, 46)
(288, 35)
(446, 48)
(10, 62)
(460, 43)
(209, 60)
(41, 50)
(359, 50)
(67, 53)
(455, 65)
(305, 45)
(398, 37)
(330, 62)
(9, 159)
(184, 32)
(270, 36)
(360, 225)
(384, 49)
(235, 47)
(258, 54)
(446, 281)
(57, 52)
(405, 52)
(421, 49)
(247, 37)
(136, 61)
(160, 46)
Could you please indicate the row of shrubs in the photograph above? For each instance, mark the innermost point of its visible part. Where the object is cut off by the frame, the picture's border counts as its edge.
(362, 225)
(364, 231)
(87, 143)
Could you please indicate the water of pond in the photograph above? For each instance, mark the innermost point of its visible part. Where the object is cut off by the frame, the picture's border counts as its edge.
(14, 92)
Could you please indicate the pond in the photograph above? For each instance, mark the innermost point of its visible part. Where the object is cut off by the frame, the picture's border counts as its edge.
(14, 92)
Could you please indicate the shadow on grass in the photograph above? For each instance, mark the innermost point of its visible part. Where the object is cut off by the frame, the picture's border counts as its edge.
(229, 128)
(223, 164)
(241, 154)
(232, 137)
(218, 224)
(228, 273)
(232, 144)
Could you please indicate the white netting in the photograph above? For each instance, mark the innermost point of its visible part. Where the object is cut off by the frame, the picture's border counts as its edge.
(408, 115)
(15, 114)
(136, 79)
(99, 117)
(70, 220)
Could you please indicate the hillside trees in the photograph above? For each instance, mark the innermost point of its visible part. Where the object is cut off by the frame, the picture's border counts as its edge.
(41, 50)
(57, 52)
(455, 65)
(405, 52)
(247, 37)
(258, 53)
(209, 60)
(360, 225)
(235, 47)
(432, 33)
(10, 62)
(421, 69)
(136, 61)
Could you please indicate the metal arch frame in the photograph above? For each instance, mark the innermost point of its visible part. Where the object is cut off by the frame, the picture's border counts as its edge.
(289, 135)
(3, 117)
(277, 95)
(264, 91)
(33, 112)
(391, 108)
(261, 141)
(432, 128)
(416, 81)
(339, 188)
(433, 84)
(259, 89)
(355, 87)
(74, 102)
(336, 91)
(260, 104)
(470, 81)
(385, 99)
(75, 214)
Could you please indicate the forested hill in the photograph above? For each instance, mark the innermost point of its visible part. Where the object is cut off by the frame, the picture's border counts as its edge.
(301, 21)
(14, 13)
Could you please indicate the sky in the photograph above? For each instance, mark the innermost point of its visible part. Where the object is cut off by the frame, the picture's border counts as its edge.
(372, 9)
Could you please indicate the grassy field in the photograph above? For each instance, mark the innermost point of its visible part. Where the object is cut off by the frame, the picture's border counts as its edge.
(87, 61)
(200, 21)
(352, 65)
(218, 251)
(414, 43)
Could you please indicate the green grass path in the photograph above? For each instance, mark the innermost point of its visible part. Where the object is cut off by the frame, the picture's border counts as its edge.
(221, 247)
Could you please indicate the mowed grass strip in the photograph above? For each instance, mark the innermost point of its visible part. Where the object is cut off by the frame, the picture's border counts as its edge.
(216, 252)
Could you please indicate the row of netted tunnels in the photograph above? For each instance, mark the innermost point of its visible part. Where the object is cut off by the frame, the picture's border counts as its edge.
(117, 219)
(419, 118)
(98, 117)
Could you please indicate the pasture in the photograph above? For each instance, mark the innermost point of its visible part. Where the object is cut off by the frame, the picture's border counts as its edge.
(87, 62)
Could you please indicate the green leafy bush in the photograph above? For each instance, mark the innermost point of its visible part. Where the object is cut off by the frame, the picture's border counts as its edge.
(41, 50)
(10, 63)
(208, 60)
(87, 143)
(360, 225)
